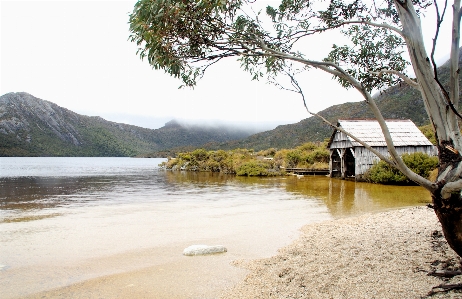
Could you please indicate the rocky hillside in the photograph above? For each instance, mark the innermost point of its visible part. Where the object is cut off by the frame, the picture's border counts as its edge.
(33, 127)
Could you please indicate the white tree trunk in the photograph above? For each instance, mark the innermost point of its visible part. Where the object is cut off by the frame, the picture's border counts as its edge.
(447, 197)
(443, 119)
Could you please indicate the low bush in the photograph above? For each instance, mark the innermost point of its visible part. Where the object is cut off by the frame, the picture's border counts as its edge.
(383, 173)
(254, 168)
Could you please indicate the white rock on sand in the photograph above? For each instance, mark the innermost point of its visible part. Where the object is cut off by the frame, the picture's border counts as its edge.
(383, 255)
(204, 250)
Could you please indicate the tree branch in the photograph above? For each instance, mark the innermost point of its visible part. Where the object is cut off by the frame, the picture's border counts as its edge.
(439, 21)
(338, 71)
(454, 60)
(451, 187)
(453, 178)
(379, 25)
(302, 33)
(449, 98)
(405, 78)
(317, 64)
(300, 91)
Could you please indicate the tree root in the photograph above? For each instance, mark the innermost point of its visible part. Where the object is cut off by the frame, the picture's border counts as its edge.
(443, 288)
(444, 273)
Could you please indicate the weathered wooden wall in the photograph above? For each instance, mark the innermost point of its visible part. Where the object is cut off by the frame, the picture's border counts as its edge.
(364, 159)
(340, 140)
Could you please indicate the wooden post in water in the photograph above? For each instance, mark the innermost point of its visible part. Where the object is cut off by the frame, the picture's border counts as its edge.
(330, 164)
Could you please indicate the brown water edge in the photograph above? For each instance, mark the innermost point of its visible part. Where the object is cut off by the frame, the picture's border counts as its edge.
(162, 272)
(345, 198)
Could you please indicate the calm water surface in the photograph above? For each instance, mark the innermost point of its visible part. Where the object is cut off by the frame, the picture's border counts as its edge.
(66, 220)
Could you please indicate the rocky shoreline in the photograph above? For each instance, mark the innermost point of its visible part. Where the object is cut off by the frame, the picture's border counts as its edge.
(383, 255)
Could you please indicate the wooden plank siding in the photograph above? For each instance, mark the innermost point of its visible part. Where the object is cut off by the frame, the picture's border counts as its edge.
(365, 158)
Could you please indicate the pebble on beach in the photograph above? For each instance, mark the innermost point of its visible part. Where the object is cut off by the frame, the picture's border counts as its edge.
(203, 250)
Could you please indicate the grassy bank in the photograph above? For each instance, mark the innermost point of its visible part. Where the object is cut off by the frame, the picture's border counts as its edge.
(246, 162)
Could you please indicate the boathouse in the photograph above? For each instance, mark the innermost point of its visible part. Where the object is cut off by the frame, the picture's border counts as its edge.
(348, 158)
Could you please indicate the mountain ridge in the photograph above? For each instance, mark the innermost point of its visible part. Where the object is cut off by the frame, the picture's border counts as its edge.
(30, 126)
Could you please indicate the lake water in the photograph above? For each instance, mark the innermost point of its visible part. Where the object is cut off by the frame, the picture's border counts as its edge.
(64, 221)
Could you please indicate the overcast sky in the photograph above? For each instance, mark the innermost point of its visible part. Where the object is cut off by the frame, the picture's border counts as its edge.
(77, 54)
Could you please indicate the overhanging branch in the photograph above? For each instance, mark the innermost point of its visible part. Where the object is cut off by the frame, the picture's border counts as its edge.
(379, 25)
(405, 78)
(334, 69)
(300, 91)
(454, 59)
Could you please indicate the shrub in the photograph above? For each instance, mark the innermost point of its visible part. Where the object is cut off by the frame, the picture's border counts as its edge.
(320, 165)
(383, 173)
(171, 162)
(199, 154)
(420, 163)
(184, 156)
(293, 158)
(267, 153)
(320, 155)
(279, 158)
(305, 156)
(253, 168)
(219, 155)
(309, 146)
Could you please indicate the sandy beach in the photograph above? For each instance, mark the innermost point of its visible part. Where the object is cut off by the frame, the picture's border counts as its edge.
(376, 255)
(383, 255)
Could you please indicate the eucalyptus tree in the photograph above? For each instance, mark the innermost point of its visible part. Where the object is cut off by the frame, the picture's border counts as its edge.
(185, 37)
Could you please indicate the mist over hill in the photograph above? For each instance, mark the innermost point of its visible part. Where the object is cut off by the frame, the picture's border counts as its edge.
(30, 126)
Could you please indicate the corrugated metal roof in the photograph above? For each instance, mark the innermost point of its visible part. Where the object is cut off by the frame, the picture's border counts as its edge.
(403, 132)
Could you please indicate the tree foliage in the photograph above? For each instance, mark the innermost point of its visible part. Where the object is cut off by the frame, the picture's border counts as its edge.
(185, 37)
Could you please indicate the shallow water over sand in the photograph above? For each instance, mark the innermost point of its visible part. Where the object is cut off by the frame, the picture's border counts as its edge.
(68, 220)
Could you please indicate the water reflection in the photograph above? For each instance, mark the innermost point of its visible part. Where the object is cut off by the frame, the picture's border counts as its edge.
(187, 179)
(341, 197)
(344, 198)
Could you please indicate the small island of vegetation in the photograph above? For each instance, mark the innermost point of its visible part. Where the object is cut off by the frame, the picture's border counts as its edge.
(272, 162)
